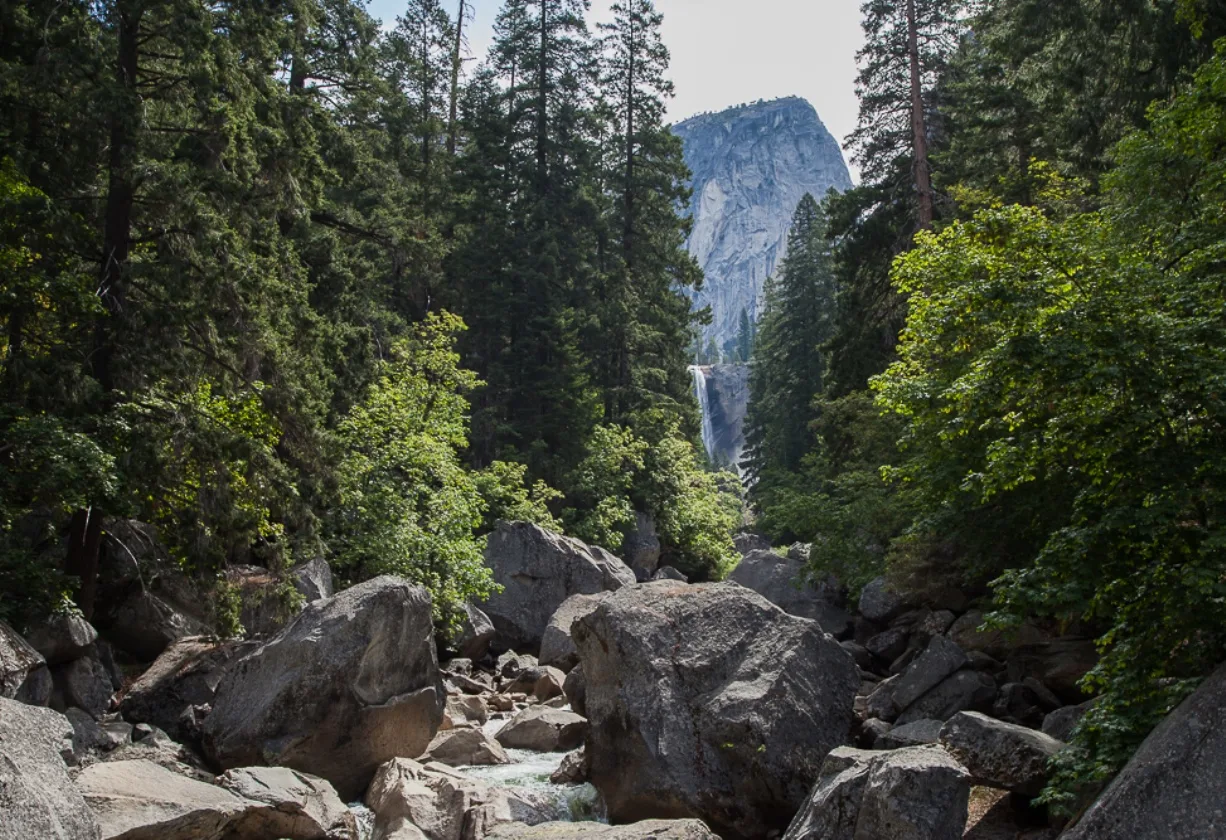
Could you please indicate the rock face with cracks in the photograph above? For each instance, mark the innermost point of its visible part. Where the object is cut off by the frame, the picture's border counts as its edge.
(918, 793)
(352, 682)
(38, 801)
(1174, 788)
(708, 701)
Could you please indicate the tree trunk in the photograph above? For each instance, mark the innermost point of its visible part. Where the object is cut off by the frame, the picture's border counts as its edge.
(456, 60)
(919, 131)
(86, 529)
(542, 118)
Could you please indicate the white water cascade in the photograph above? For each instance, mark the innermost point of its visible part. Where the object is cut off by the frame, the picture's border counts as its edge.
(700, 390)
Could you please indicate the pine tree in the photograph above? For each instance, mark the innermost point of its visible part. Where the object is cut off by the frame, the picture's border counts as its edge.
(789, 370)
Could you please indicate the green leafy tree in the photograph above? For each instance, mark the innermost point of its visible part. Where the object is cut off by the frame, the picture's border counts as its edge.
(1057, 379)
(407, 505)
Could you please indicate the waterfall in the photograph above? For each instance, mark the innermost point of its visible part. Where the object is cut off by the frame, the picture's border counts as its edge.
(700, 389)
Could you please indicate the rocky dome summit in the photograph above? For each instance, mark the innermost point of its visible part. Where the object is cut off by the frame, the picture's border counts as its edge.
(751, 165)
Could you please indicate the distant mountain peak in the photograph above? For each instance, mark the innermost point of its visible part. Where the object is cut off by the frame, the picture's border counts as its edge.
(752, 164)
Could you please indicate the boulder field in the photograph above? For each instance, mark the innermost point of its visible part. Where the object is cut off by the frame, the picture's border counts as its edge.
(761, 707)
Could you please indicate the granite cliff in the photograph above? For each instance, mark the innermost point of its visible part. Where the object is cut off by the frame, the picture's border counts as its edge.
(752, 165)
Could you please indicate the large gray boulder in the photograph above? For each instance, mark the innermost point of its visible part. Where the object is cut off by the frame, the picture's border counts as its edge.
(782, 581)
(1175, 786)
(999, 754)
(83, 683)
(63, 637)
(352, 682)
(543, 729)
(557, 646)
(184, 678)
(917, 793)
(963, 690)
(709, 701)
(879, 602)
(412, 801)
(646, 830)
(313, 579)
(287, 804)
(538, 570)
(140, 800)
(23, 671)
(465, 747)
(37, 798)
(939, 660)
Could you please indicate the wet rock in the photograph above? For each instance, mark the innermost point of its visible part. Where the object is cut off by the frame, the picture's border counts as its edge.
(999, 754)
(575, 688)
(38, 800)
(460, 747)
(709, 701)
(411, 800)
(543, 729)
(352, 682)
(573, 770)
(538, 570)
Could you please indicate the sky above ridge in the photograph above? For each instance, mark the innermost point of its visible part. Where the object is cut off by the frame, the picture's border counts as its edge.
(728, 52)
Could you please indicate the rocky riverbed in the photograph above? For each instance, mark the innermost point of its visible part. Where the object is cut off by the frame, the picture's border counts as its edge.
(590, 701)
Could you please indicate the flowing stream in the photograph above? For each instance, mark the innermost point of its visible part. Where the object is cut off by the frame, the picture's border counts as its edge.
(700, 390)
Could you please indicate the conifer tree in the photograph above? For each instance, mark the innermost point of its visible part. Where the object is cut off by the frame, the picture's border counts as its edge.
(789, 370)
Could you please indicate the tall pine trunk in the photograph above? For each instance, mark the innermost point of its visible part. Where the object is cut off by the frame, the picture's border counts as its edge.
(542, 118)
(86, 531)
(919, 131)
(456, 60)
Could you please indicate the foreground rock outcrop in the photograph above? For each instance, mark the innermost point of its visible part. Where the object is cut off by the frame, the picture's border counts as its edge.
(918, 793)
(538, 570)
(38, 801)
(350, 684)
(1174, 788)
(708, 701)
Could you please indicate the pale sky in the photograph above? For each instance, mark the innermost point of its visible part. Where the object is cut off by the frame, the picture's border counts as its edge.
(725, 52)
